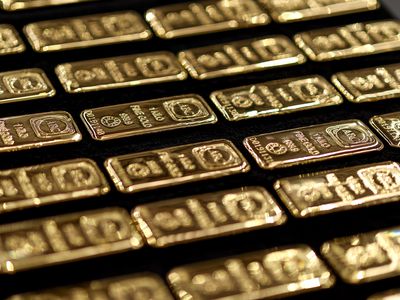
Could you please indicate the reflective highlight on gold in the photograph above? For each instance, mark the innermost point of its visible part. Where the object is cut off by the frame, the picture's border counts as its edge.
(27, 4)
(388, 126)
(388, 295)
(10, 41)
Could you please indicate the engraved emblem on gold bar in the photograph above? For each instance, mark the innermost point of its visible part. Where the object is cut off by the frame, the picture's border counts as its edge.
(241, 57)
(123, 120)
(137, 286)
(120, 71)
(258, 275)
(312, 143)
(65, 238)
(50, 183)
(204, 216)
(10, 41)
(175, 165)
(388, 126)
(86, 31)
(284, 11)
(37, 130)
(388, 295)
(193, 18)
(27, 4)
(365, 257)
(343, 189)
(352, 40)
(275, 97)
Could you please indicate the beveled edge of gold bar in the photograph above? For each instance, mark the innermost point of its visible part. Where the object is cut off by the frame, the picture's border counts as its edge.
(337, 81)
(393, 294)
(13, 5)
(21, 45)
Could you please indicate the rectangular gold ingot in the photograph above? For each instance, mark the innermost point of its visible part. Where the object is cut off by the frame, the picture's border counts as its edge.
(127, 287)
(241, 57)
(50, 183)
(388, 127)
(300, 10)
(275, 97)
(257, 275)
(175, 165)
(388, 295)
(207, 216)
(120, 71)
(136, 118)
(65, 238)
(365, 257)
(12, 5)
(358, 39)
(10, 41)
(200, 17)
(86, 31)
(343, 189)
(312, 143)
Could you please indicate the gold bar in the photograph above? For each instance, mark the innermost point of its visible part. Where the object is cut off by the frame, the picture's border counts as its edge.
(299, 10)
(26, 84)
(365, 257)
(12, 5)
(10, 41)
(342, 189)
(186, 219)
(201, 17)
(370, 84)
(175, 165)
(50, 183)
(275, 97)
(65, 238)
(388, 126)
(312, 143)
(136, 118)
(241, 57)
(358, 39)
(87, 31)
(388, 295)
(37, 130)
(120, 71)
(258, 275)
(137, 286)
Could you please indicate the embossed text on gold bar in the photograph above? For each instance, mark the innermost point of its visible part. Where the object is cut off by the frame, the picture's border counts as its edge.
(388, 126)
(27, 4)
(10, 41)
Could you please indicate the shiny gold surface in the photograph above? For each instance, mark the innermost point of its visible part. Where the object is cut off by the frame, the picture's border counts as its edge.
(388, 126)
(258, 275)
(204, 216)
(275, 97)
(10, 41)
(312, 143)
(342, 189)
(241, 57)
(388, 295)
(136, 118)
(175, 165)
(27, 4)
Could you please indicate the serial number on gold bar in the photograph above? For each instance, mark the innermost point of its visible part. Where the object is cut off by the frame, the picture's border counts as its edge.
(312, 143)
(37, 130)
(65, 238)
(343, 189)
(120, 71)
(388, 295)
(241, 57)
(258, 275)
(388, 126)
(299, 10)
(365, 257)
(204, 216)
(358, 39)
(123, 120)
(175, 165)
(275, 97)
(200, 17)
(10, 41)
(27, 4)
(86, 31)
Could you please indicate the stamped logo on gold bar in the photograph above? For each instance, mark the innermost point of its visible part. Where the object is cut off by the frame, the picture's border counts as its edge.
(10, 41)
(388, 126)
(27, 4)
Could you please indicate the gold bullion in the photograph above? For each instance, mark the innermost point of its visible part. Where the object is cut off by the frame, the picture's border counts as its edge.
(50, 183)
(27, 4)
(275, 97)
(10, 41)
(352, 40)
(365, 257)
(388, 295)
(22, 85)
(284, 11)
(87, 31)
(120, 71)
(241, 57)
(342, 189)
(65, 238)
(123, 120)
(137, 286)
(258, 275)
(388, 126)
(37, 130)
(312, 143)
(175, 165)
(200, 17)
(204, 216)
